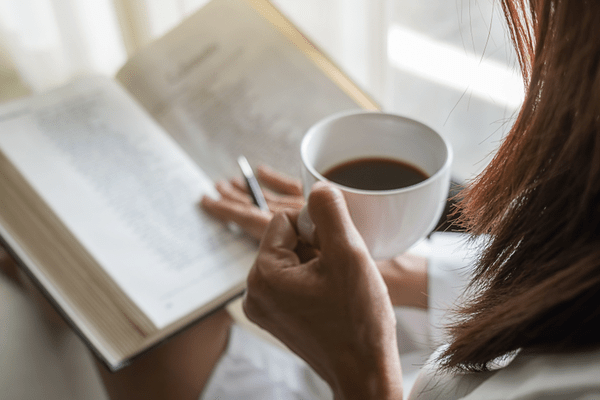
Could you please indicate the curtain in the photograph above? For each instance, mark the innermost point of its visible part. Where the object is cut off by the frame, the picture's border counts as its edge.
(448, 64)
(52, 41)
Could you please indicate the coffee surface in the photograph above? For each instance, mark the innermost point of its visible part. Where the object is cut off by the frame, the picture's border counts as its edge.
(375, 174)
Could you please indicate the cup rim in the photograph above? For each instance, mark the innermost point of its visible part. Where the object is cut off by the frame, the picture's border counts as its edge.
(342, 114)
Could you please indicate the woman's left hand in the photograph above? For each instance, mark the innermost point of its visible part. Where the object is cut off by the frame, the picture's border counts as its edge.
(405, 275)
(235, 204)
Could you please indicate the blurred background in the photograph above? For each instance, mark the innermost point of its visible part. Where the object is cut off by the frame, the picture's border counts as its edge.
(448, 64)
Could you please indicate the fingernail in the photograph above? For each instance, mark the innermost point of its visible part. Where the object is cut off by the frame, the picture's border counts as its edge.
(206, 200)
(326, 186)
(319, 184)
(222, 185)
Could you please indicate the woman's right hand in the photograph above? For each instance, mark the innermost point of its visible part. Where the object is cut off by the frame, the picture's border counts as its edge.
(330, 304)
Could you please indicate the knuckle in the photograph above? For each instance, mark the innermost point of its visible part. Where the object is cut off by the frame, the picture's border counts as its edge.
(253, 308)
(257, 281)
(259, 292)
(249, 304)
(253, 279)
(249, 307)
(354, 252)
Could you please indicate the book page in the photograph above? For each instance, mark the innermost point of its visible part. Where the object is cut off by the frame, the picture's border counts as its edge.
(128, 193)
(227, 82)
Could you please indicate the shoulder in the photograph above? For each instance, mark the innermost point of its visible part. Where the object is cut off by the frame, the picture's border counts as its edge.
(533, 376)
(527, 376)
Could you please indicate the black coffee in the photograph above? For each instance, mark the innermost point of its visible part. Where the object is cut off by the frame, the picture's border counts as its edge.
(375, 174)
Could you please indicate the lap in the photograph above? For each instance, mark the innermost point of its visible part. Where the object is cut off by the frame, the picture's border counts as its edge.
(252, 368)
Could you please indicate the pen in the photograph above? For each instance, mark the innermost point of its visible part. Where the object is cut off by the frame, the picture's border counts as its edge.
(252, 183)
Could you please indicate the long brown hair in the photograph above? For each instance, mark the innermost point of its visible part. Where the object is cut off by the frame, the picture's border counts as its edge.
(537, 281)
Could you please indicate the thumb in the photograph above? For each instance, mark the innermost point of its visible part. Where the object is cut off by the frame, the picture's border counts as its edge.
(333, 225)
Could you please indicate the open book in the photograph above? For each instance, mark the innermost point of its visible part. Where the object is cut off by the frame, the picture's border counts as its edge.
(100, 180)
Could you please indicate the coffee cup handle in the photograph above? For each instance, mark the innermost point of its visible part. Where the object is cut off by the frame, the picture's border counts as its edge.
(306, 228)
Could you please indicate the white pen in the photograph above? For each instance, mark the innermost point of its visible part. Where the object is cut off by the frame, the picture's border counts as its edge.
(253, 186)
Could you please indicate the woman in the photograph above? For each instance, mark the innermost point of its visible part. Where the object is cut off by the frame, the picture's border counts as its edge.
(531, 325)
(536, 287)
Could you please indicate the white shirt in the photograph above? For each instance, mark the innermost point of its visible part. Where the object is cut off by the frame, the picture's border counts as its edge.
(254, 369)
(527, 377)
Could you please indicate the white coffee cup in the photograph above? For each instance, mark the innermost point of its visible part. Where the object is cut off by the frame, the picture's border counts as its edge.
(390, 221)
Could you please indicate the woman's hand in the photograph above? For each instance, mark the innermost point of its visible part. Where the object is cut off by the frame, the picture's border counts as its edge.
(407, 280)
(405, 275)
(329, 305)
(235, 204)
